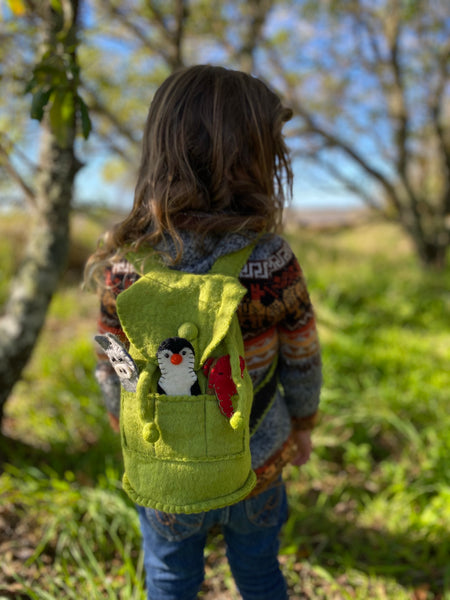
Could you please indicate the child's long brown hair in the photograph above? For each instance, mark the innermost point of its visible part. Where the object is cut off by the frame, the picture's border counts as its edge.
(213, 159)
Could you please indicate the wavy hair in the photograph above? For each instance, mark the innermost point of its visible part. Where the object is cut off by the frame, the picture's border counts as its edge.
(213, 160)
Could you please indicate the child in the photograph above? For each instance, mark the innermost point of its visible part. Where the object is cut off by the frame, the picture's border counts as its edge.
(212, 179)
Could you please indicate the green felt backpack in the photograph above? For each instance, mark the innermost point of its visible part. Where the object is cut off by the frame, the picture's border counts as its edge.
(185, 439)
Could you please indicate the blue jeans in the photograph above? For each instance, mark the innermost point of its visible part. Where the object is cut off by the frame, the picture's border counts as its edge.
(174, 545)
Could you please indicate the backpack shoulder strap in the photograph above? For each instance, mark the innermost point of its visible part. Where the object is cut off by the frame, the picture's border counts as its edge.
(231, 264)
(144, 260)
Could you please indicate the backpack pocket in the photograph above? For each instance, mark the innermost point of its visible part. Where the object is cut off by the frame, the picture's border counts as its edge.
(197, 463)
(185, 428)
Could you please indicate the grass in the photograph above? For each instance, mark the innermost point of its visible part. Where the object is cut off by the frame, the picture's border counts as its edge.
(370, 513)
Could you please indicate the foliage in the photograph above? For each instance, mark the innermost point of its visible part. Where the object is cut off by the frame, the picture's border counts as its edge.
(53, 88)
(370, 512)
(56, 79)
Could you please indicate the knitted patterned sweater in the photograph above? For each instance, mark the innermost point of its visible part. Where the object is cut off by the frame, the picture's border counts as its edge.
(276, 318)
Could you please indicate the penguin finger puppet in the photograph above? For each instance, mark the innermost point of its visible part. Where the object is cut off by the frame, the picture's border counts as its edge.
(120, 360)
(176, 359)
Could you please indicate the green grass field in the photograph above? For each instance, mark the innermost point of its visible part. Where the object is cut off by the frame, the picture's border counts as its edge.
(370, 513)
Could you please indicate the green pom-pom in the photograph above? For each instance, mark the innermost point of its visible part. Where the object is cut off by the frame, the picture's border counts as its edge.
(150, 433)
(236, 421)
(189, 331)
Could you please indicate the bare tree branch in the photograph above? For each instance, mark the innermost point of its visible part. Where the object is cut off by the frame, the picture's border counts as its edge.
(181, 14)
(171, 47)
(336, 142)
(136, 30)
(393, 86)
(258, 11)
(350, 184)
(392, 27)
(174, 36)
(96, 106)
(437, 101)
(30, 194)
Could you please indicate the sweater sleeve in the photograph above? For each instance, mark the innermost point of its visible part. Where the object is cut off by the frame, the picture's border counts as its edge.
(277, 316)
(118, 277)
(299, 352)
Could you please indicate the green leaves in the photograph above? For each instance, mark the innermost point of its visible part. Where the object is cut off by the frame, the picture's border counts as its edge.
(86, 124)
(64, 108)
(54, 85)
(61, 115)
(39, 102)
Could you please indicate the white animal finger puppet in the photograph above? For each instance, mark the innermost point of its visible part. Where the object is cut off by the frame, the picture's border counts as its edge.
(176, 362)
(121, 361)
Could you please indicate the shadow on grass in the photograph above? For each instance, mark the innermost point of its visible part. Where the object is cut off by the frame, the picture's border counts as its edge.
(86, 461)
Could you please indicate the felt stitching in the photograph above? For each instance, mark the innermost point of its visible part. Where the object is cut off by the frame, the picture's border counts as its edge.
(189, 508)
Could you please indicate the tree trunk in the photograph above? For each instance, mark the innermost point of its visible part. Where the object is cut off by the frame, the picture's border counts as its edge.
(432, 255)
(45, 256)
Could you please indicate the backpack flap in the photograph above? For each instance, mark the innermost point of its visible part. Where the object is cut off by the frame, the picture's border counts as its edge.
(167, 303)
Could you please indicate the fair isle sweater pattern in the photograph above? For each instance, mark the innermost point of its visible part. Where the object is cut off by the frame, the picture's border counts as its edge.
(276, 317)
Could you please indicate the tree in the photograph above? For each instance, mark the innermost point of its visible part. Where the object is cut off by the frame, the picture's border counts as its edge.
(56, 102)
(370, 84)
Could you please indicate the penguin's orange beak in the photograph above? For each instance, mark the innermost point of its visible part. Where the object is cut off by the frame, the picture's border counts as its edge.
(176, 359)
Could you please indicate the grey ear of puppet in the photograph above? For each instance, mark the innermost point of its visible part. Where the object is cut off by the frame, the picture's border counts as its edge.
(120, 360)
(103, 341)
